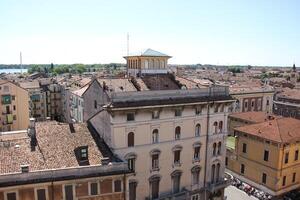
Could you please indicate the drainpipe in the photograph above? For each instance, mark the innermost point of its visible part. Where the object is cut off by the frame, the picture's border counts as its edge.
(206, 151)
(124, 186)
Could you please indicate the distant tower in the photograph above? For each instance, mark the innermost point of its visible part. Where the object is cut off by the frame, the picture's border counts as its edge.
(294, 68)
(21, 66)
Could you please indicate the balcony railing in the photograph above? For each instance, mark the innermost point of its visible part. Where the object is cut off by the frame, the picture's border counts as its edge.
(226, 181)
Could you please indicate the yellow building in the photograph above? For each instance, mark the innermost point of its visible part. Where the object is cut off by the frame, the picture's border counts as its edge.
(266, 155)
(14, 107)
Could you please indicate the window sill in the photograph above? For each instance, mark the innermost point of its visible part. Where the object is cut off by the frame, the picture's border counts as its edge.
(196, 160)
(155, 169)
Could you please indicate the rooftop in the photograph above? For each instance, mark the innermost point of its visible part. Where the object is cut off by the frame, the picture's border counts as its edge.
(150, 53)
(55, 149)
(254, 117)
(281, 130)
(290, 94)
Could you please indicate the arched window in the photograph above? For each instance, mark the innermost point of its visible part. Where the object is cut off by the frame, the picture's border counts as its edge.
(176, 181)
(212, 178)
(218, 172)
(220, 126)
(197, 130)
(214, 149)
(195, 175)
(177, 133)
(130, 139)
(131, 158)
(216, 127)
(154, 186)
(219, 148)
(155, 136)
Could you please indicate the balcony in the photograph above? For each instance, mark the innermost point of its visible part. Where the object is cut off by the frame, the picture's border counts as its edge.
(226, 181)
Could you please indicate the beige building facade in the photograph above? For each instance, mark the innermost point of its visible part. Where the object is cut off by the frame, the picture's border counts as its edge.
(14, 107)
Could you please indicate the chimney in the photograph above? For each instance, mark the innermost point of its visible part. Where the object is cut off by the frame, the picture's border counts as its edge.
(32, 134)
(105, 161)
(24, 168)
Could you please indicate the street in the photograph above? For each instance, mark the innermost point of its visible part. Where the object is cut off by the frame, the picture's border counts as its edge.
(233, 193)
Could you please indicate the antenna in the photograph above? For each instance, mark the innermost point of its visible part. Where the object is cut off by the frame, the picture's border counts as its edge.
(127, 44)
(21, 61)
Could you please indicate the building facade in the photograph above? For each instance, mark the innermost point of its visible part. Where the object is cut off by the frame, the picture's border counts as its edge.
(174, 145)
(266, 155)
(14, 107)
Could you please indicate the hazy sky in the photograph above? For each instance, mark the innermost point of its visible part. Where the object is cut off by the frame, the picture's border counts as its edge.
(262, 32)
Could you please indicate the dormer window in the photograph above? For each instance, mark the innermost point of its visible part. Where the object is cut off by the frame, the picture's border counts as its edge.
(82, 155)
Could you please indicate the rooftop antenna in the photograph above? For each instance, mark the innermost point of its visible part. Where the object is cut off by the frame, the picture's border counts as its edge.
(127, 44)
(21, 61)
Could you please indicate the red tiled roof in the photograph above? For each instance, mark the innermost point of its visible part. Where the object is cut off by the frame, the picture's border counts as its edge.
(280, 130)
(254, 117)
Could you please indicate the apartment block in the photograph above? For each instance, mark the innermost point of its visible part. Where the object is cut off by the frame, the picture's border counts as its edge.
(266, 155)
(14, 107)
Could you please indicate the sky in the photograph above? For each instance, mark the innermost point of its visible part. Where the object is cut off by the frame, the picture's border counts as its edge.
(224, 32)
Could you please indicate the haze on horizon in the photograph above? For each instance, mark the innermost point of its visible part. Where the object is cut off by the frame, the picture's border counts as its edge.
(94, 31)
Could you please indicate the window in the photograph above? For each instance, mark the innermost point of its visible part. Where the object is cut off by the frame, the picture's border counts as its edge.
(296, 154)
(13, 97)
(84, 153)
(226, 161)
(130, 139)
(131, 163)
(220, 126)
(286, 158)
(130, 116)
(155, 161)
(216, 127)
(198, 110)
(132, 190)
(177, 157)
(197, 153)
(264, 178)
(154, 185)
(195, 197)
(68, 192)
(242, 168)
(6, 88)
(177, 133)
(266, 155)
(14, 117)
(155, 114)
(216, 108)
(219, 148)
(155, 136)
(244, 148)
(268, 102)
(11, 196)
(197, 130)
(195, 175)
(176, 182)
(117, 185)
(14, 107)
(178, 112)
(294, 177)
(40, 194)
(94, 188)
(214, 149)
(95, 104)
(246, 104)
(212, 178)
(283, 181)
(218, 172)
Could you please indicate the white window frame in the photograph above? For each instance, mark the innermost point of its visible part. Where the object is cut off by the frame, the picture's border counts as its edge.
(90, 190)
(197, 196)
(41, 188)
(11, 191)
(73, 188)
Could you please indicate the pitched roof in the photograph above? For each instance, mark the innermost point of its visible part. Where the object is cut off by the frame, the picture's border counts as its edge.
(280, 130)
(55, 150)
(253, 116)
(30, 84)
(150, 53)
